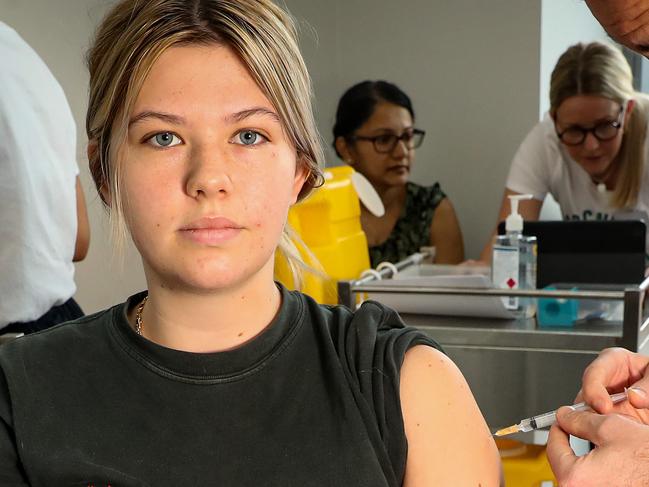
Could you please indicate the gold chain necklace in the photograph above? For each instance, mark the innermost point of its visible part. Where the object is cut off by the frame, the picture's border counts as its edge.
(138, 316)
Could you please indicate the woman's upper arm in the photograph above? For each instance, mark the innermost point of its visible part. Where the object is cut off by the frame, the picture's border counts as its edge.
(445, 234)
(531, 167)
(83, 227)
(449, 443)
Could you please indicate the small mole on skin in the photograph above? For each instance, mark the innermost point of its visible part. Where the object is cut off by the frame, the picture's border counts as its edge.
(417, 424)
(240, 334)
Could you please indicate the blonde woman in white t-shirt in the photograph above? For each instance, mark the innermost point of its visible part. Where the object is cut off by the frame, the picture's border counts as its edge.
(589, 151)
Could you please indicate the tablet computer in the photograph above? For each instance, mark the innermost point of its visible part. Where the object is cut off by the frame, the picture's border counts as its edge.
(588, 252)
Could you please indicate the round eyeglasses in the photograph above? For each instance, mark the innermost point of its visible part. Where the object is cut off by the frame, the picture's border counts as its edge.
(385, 143)
(602, 131)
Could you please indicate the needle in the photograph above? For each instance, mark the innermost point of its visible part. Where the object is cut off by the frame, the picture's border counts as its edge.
(547, 419)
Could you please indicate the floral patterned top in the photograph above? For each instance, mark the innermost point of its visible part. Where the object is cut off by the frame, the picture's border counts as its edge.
(412, 229)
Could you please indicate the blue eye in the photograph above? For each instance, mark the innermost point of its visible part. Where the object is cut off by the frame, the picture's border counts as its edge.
(250, 137)
(165, 139)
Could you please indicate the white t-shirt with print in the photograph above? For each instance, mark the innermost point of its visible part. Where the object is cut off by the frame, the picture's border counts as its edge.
(38, 169)
(542, 165)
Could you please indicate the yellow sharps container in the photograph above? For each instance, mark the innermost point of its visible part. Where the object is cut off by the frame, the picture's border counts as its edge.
(525, 465)
(328, 223)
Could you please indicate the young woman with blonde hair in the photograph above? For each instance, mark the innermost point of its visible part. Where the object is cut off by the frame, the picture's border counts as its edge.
(589, 152)
(201, 137)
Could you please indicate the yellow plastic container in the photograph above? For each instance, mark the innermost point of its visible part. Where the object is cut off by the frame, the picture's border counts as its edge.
(525, 465)
(329, 223)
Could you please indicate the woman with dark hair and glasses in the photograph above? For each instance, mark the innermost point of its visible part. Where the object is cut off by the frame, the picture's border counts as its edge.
(589, 151)
(375, 134)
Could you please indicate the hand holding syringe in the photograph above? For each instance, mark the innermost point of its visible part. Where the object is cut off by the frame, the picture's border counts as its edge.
(548, 419)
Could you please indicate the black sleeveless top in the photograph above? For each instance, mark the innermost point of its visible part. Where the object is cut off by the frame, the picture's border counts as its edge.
(412, 229)
(311, 401)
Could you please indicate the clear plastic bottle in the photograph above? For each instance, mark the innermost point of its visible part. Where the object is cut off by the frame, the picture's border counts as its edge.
(529, 251)
(505, 266)
(513, 264)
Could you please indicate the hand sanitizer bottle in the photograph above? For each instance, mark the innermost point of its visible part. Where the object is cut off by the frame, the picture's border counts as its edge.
(513, 264)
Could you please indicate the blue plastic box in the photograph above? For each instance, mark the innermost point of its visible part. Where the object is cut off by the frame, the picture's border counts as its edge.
(557, 311)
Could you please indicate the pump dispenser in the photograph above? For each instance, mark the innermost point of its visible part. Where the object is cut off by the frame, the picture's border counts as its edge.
(514, 222)
(513, 265)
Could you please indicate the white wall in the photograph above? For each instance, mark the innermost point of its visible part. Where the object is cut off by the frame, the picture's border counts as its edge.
(474, 70)
(563, 23)
(477, 72)
(471, 68)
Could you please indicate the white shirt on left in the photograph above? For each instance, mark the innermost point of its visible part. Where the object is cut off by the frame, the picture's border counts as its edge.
(38, 169)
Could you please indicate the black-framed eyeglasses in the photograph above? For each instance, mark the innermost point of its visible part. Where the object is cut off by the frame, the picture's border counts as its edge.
(602, 131)
(385, 143)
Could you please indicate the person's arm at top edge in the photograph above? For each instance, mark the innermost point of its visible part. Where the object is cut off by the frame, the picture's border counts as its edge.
(620, 431)
(626, 21)
(446, 235)
(528, 209)
(83, 226)
(449, 443)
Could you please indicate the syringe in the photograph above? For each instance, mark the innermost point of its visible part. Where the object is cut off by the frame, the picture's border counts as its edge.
(547, 419)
